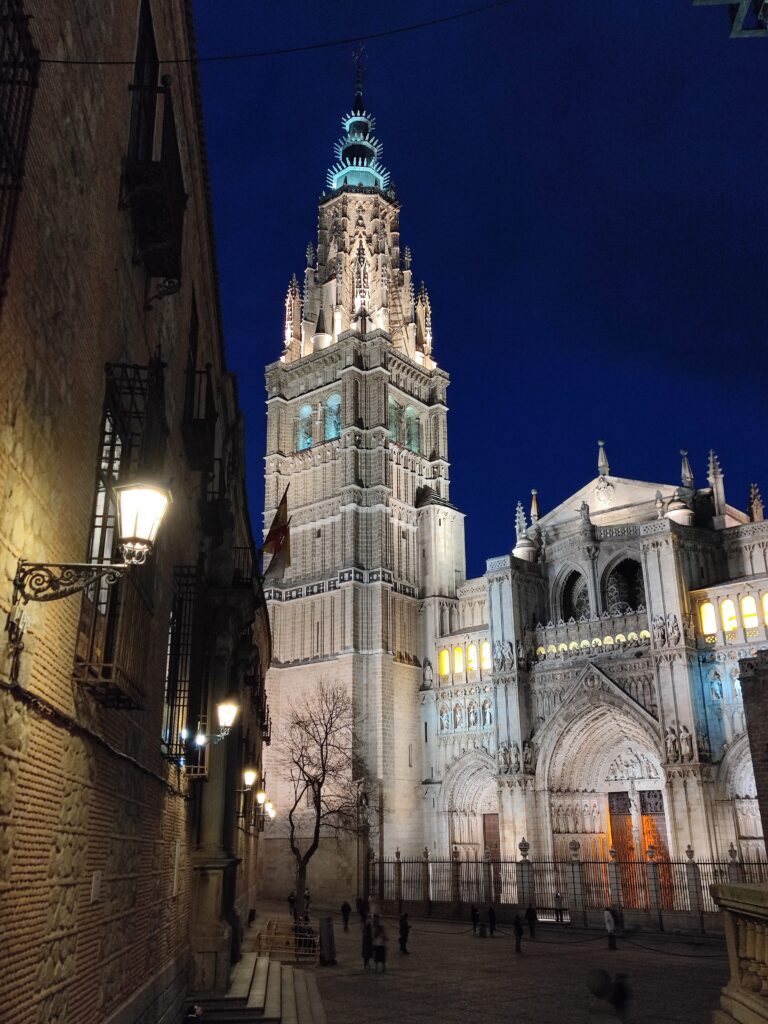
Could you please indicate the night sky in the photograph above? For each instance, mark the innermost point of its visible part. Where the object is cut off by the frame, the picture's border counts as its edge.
(583, 187)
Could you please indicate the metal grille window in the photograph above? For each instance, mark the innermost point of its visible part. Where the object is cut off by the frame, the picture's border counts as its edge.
(19, 64)
(144, 89)
(178, 730)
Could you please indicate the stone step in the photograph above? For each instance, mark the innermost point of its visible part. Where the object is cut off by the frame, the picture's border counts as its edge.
(241, 977)
(258, 993)
(273, 1000)
(303, 1005)
(315, 1002)
(288, 1014)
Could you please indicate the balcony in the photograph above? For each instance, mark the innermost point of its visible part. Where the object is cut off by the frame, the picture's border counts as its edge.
(198, 426)
(589, 637)
(745, 912)
(153, 192)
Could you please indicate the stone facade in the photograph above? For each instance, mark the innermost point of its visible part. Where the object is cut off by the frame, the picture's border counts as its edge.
(573, 691)
(113, 829)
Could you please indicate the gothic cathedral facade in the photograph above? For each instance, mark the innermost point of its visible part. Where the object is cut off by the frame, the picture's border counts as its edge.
(585, 688)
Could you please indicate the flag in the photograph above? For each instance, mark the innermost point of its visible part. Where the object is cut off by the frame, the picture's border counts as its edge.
(278, 539)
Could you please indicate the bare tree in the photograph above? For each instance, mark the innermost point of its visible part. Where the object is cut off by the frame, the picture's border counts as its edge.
(319, 759)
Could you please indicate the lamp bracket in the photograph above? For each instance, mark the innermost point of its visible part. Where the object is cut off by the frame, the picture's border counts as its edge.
(48, 581)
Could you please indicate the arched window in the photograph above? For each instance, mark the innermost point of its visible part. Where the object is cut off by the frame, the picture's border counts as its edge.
(393, 416)
(728, 613)
(708, 618)
(471, 658)
(304, 438)
(575, 599)
(444, 663)
(749, 612)
(458, 659)
(485, 656)
(765, 609)
(624, 588)
(412, 439)
(332, 417)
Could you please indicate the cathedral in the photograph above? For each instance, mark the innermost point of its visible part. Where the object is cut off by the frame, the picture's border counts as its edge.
(586, 687)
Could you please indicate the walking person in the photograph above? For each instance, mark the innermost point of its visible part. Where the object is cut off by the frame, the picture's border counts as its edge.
(610, 927)
(292, 904)
(346, 910)
(475, 915)
(194, 1014)
(379, 945)
(517, 928)
(558, 907)
(404, 930)
(367, 943)
(531, 919)
(491, 921)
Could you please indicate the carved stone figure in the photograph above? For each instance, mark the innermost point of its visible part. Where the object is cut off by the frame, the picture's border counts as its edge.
(458, 717)
(527, 757)
(427, 676)
(472, 715)
(686, 744)
(716, 687)
(445, 720)
(504, 763)
(659, 631)
(508, 657)
(515, 758)
(705, 751)
(487, 713)
(498, 655)
(673, 746)
(673, 629)
(584, 512)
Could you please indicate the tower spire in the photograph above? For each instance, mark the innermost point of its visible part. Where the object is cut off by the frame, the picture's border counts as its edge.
(534, 505)
(358, 151)
(686, 473)
(359, 106)
(603, 468)
(717, 483)
(755, 508)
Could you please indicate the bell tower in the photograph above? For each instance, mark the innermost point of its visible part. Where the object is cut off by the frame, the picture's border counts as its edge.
(357, 427)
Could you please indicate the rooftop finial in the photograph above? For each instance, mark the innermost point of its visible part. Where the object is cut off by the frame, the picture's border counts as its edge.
(686, 473)
(603, 468)
(756, 509)
(520, 526)
(358, 107)
(534, 505)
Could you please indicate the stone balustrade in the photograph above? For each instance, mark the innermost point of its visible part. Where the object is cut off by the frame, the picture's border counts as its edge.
(590, 635)
(745, 912)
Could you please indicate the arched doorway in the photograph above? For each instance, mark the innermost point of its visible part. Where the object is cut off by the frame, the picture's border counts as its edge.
(739, 813)
(470, 799)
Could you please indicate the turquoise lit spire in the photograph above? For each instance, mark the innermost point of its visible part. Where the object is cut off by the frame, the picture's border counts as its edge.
(358, 151)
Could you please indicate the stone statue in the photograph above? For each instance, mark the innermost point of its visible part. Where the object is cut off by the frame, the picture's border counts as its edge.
(457, 717)
(520, 652)
(498, 655)
(427, 676)
(716, 688)
(472, 716)
(705, 751)
(673, 629)
(672, 745)
(515, 758)
(527, 757)
(686, 744)
(659, 631)
(504, 762)
(508, 658)
(445, 720)
(487, 714)
(584, 512)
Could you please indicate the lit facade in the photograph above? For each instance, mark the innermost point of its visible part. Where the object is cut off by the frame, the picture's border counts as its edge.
(566, 694)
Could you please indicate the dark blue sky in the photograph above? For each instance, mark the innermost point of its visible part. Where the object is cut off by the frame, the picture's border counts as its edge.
(584, 191)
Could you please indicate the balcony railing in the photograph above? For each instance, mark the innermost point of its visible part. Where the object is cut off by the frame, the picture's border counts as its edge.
(590, 636)
(153, 191)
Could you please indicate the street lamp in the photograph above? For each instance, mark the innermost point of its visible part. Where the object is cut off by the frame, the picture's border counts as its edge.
(261, 796)
(249, 777)
(141, 507)
(227, 712)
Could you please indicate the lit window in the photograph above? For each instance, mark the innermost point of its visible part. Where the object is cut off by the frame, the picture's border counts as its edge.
(304, 434)
(765, 609)
(749, 612)
(333, 417)
(444, 663)
(708, 618)
(412, 439)
(728, 613)
(471, 658)
(485, 654)
(458, 659)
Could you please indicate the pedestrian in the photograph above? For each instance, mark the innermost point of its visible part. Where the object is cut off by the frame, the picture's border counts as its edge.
(491, 921)
(367, 943)
(292, 903)
(307, 898)
(379, 945)
(621, 995)
(517, 928)
(558, 907)
(610, 927)
(346, 910)
(194, 1014)
(475, 915)
(404, 930)
(531, 920)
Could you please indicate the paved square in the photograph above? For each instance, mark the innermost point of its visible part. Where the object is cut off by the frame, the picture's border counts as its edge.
(452, 976)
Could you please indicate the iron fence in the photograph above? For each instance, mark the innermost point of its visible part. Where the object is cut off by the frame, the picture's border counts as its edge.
(575, 887)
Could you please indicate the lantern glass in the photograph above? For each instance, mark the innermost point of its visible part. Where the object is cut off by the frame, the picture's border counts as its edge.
(261, 796)
(249, 777)
(269, 806)
(227, 712)
(272, 812)
(140, 511)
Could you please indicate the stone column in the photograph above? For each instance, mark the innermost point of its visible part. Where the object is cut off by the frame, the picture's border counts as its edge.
(654, 886)
(735, 867)
(487, 877)
(426, 897)
(693, 881)
(576, 882)
(456, 880)
(525, 887)
(398, 879)
(754, 691)
(614, 880)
